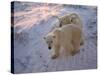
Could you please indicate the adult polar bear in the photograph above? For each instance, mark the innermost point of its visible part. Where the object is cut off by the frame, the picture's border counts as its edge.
(72, 18)
(68, 37)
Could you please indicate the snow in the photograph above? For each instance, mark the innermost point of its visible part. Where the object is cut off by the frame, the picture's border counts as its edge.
(30, 49)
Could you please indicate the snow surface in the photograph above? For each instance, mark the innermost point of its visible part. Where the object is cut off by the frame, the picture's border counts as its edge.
(32, 23)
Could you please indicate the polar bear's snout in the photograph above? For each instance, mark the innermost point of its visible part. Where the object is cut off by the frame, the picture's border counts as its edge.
(49, 48)
(49, 44)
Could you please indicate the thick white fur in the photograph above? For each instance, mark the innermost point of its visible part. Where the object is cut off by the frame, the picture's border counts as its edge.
(68, 37)
(72, 18)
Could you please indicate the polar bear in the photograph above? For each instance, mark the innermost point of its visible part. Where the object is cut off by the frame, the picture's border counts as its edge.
(72, 18)
(67, 36)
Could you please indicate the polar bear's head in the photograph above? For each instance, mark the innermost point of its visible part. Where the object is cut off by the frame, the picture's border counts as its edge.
(49, 40)
(65, 20)
(72, 18)
(52, 37)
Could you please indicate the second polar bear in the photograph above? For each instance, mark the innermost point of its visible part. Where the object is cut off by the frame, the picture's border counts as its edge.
(72, 18)
(68, 37)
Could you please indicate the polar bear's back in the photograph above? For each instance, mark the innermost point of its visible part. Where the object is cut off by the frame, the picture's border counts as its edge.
(70, 32)
(70, 27)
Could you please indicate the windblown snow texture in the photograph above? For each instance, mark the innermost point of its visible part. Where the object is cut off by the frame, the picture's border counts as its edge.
(32, 23)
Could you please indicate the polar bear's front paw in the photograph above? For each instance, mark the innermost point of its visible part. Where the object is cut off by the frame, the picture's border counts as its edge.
(54, 56)
(74, 52)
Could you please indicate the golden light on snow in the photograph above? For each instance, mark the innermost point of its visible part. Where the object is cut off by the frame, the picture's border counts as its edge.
(30, 18)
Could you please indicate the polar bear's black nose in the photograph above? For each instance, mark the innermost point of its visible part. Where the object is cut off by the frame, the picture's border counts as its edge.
(49, 47)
